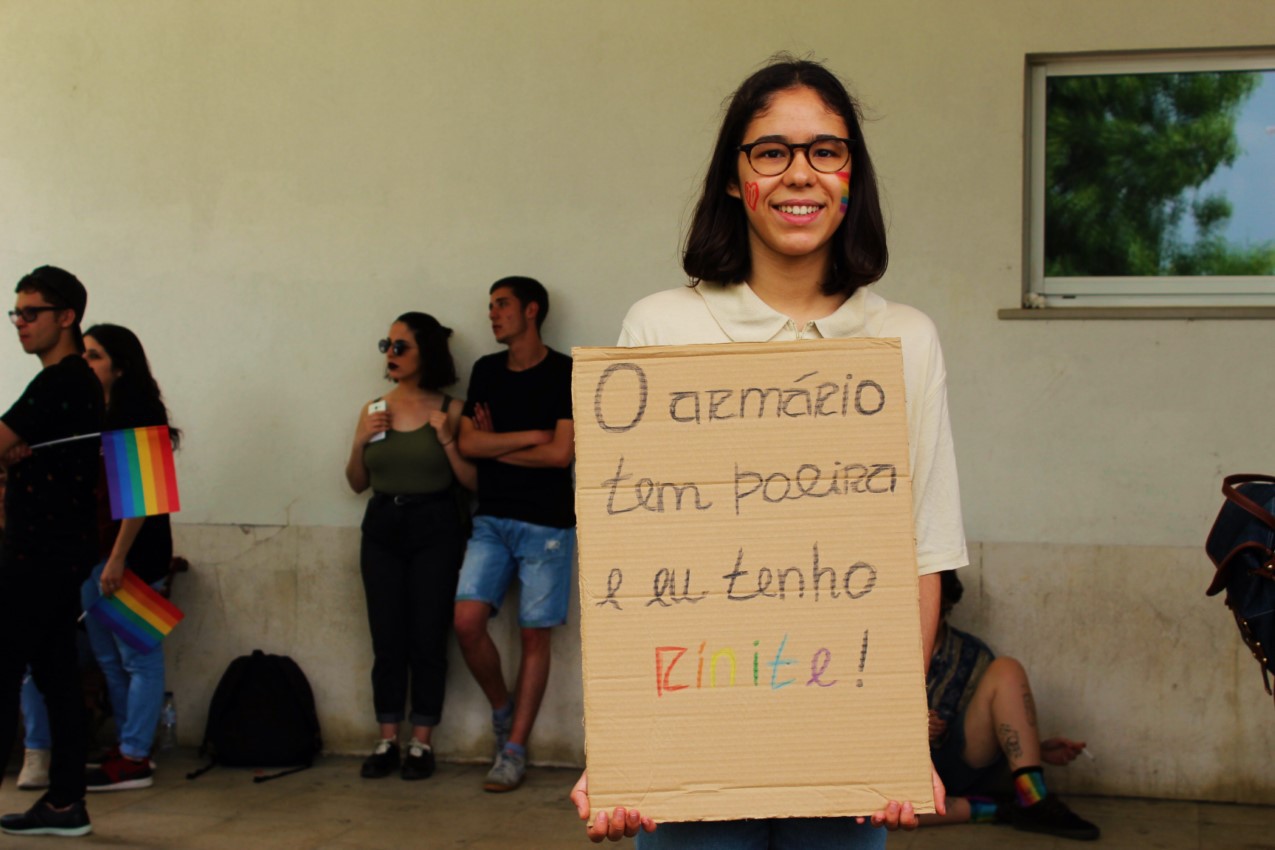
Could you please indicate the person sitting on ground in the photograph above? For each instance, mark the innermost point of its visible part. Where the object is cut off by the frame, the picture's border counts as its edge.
(982, 721)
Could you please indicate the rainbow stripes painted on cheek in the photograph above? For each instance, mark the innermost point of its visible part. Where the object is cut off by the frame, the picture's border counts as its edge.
(844, 177)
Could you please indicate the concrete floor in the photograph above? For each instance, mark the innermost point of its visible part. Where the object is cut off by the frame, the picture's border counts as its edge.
(330, 808)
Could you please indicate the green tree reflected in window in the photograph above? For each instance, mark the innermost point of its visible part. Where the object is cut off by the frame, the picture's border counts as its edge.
(1133, 175)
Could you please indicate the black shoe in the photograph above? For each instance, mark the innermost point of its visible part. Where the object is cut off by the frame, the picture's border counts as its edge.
(43, 819)
(1052, 817)
(419, 762)
(383, 761)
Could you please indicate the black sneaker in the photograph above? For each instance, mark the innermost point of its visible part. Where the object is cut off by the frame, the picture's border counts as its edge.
(1052, 817)
(42, 819)
(383, 761)
(419, 761)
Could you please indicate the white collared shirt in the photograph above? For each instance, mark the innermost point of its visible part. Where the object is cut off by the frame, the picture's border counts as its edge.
(711, 313)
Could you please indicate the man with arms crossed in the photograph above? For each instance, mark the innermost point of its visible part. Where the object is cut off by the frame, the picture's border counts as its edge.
(50, 540)
(519, 431)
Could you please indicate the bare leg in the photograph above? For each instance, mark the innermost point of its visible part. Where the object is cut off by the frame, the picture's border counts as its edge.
(423, 734)
(389, 731)
(533, 676)
(480, 650)
(1001, 717)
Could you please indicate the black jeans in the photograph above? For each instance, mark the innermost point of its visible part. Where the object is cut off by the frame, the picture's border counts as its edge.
(38, 614)
(410, 558)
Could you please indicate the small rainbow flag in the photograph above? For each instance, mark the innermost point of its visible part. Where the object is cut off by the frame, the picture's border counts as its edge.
(137, 613)
(140, 472)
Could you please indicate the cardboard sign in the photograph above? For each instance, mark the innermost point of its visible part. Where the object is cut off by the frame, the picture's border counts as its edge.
(748, 580)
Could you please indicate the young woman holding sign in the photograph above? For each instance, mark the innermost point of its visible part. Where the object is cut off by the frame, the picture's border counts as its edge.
(787, 235)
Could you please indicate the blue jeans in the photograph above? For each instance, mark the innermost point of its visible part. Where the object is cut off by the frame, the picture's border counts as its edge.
(35, 717)
(777, 834)
(959, 778)
(134, 682)
(539, 555)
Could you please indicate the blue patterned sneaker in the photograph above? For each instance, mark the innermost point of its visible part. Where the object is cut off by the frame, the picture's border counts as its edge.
(507, 773)
(43, 819)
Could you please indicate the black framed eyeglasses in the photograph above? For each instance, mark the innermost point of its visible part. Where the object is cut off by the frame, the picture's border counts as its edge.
(398, 346)
(29, 314)
(771, 157)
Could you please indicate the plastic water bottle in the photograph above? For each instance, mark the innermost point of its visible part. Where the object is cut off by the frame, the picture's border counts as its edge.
(168, 723)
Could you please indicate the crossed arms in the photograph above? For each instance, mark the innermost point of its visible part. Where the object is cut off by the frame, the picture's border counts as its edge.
(540, 448)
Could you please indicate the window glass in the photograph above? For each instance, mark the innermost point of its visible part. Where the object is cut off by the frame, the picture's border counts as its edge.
(1154, 185)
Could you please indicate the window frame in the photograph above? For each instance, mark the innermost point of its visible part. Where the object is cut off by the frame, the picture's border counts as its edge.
(1123, 291)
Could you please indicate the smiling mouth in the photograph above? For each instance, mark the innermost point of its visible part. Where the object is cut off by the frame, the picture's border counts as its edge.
(799, 209)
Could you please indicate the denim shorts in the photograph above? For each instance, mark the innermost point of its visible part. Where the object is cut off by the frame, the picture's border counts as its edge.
(539, 555)
(959, 778)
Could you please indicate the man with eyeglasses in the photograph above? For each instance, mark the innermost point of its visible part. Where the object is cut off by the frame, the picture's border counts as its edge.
(518, 430)
(50, 540)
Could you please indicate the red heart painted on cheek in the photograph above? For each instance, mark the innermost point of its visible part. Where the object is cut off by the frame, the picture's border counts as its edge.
(751, 193)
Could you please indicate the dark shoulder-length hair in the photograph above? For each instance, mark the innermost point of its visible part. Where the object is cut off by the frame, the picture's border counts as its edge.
(135, 397)
(437, 368)
(717, 246)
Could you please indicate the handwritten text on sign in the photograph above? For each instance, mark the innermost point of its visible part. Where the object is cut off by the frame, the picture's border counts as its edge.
(747, 558)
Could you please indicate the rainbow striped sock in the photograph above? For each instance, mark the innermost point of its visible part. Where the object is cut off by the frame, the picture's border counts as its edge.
(1029, 786)
(982, 810)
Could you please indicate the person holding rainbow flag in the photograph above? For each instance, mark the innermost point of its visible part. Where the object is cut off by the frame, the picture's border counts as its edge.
(50, 540)
(133, 669)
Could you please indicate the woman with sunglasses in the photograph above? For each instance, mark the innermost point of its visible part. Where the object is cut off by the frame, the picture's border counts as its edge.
(413, 537)
(785, 240)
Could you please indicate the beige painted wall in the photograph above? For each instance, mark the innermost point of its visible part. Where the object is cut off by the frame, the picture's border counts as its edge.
(258, 187)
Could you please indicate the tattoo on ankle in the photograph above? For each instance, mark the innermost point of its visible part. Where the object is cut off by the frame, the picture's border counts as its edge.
(1009, 741)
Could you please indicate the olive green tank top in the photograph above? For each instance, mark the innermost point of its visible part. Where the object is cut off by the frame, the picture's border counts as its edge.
(408, 462)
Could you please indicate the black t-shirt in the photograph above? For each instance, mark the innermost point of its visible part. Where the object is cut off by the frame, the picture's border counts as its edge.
(531, 400)
(50, 508)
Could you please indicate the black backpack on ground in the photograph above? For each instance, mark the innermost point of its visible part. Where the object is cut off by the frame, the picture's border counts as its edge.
(1241, 545)
(262, 715)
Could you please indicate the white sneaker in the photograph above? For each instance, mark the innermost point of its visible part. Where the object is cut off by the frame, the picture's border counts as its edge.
(35, 770)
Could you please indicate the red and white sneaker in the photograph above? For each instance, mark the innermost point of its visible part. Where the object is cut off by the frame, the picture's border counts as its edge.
(120, 774)
(110, 754)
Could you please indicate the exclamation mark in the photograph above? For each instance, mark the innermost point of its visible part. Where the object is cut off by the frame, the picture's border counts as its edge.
(863, 656)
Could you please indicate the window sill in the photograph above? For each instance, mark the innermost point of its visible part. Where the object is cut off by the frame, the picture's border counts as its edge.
(1100, 313)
